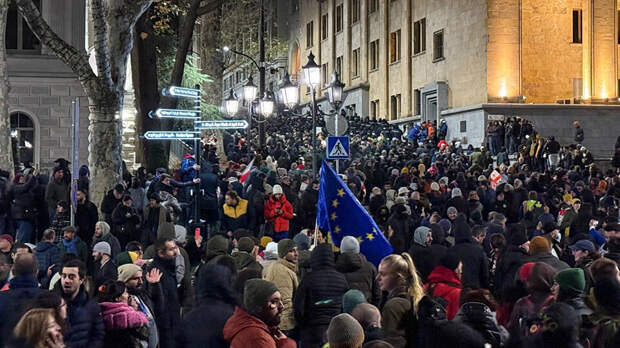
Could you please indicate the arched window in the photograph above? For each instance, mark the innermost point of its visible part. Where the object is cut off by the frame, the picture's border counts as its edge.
(22, 138)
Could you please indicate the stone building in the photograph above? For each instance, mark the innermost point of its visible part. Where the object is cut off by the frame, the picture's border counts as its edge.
(468, 61)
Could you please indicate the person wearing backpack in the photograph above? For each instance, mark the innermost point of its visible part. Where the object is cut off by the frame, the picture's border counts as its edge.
(397, 275)
(444, 283)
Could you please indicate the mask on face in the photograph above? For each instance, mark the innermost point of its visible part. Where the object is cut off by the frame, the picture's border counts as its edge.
(558, 237)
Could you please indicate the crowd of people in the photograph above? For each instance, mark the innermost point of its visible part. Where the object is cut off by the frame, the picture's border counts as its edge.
(514, 246)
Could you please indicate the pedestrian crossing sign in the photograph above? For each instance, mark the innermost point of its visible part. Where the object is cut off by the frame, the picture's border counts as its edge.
(337, 148)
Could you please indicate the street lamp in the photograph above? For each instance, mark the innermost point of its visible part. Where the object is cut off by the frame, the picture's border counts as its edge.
(266, 105)
(334, 91)
(231, 104)
(312, 72)
(250, 90)
(289, 92)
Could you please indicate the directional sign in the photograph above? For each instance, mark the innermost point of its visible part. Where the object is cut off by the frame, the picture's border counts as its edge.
(337, 147)
(224, 124)
(174, 113)
(169, 135)
(175, 91)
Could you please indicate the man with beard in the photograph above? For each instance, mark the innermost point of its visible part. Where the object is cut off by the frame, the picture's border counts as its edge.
(150, 303)
(72, 244)
(86, 327)
(256, 323)
(104, 267)
(86, 216)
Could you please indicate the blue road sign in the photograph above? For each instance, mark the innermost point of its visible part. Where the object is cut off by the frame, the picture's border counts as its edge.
(170, 135)
(223, 124)
(175, 91)
(174, 113)
(337, 147)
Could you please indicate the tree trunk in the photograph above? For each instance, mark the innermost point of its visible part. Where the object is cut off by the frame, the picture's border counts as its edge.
(6, 150)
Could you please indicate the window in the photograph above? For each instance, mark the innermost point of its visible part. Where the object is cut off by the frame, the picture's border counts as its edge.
(22, 138)
(325, 74)
(309, 34)
(395, 46)
(417, 95)
(324, 27)
(339, 66)
(294, 6)
(338, 18)
(374, 55)
(395, 107)
(237, 76)
(374, 108)
(463, 126)
(438, 46)
(577, 26)
(373, 6)
(419, 36)
(355, 11)
(355, 71)
(19, 37)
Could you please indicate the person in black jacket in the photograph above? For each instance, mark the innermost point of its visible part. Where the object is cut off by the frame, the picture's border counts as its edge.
(126, 220)
(110, 201)
(208, 196)
(421, 252)
(475, 263)
(83, 314)
(168, 324)
(360, 274)
(22, 198)
(514, 255)
(86, 216)
(216, 303)
(307, 205)
(578, 133)
(319, 296)
(104, 268)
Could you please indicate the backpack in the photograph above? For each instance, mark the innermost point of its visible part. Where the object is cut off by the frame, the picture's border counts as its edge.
(530, 321)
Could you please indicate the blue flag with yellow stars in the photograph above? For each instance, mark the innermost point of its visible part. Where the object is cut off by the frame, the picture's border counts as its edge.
(340, 213)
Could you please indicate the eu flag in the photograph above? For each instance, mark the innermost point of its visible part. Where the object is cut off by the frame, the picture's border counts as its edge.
(340, 213)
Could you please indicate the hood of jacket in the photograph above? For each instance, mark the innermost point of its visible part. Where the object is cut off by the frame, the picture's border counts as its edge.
(44, 246)
(119, 316)
(215, 283)
(242, 320)
(443, 274)
(420, 234)
(349, 262)
(461, 230)
(322, 257)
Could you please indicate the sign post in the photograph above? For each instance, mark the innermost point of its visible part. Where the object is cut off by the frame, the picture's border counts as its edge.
(76, 156)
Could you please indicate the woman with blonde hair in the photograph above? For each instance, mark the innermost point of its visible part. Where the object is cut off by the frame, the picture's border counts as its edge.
(398, 276)
(38, 328)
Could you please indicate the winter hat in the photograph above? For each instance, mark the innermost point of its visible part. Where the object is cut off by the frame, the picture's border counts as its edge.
(245, 244)
(352, 298)
(367, 315)
(180, 234)
(349, 245)
(456, 192)
(344, 332)
(434, 186)
(302, 241)
(541, 278)
(271, 251)
(571, 279)
(445, 224)
(216, 245)
(403, 191)
(103, 247)
(517, 235)
(452, 210)
(584, 245)
(277, 190)
(8, 238)
(256, 293)
(125, 257)
(285, 246)
(268, 189)
(400, 200)
(420, 234)
(525, 271)
(549, 227)
(450, 261)
(127, 271)
(539, 245)
(265, 240)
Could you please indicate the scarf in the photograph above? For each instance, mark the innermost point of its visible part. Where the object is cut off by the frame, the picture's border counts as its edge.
(70, 246)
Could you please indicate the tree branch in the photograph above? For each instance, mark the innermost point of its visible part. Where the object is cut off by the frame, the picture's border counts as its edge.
(68, 54)
(102, 52)
(209, 7)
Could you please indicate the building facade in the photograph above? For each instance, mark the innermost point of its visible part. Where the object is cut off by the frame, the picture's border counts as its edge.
(406, 60)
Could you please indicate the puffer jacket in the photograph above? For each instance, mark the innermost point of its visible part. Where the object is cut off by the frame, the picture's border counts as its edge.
(360, 275)
(238, 216)
(86, 327)
(479, 317)
(280, 222)
(125, 327)
(319, 297)
(442, 282)
(23, 199)
(284, 275)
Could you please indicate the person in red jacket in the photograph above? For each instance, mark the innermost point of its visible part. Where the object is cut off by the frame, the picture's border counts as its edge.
(278, 212)
(256, 323)
(445, 282)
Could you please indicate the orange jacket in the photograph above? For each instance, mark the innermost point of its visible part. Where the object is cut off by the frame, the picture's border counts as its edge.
(280, 222)
(243, 330)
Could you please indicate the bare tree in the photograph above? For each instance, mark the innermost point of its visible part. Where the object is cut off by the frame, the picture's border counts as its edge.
(113, 22)
(6, 150)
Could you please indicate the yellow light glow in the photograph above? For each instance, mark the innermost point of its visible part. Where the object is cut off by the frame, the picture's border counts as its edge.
(603, 93)
(502, 90)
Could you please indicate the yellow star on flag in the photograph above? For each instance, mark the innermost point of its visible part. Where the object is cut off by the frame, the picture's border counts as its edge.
(360, 239)
(341, 192)
(370, 236)
(335, 203)
(334, 216)
(336, 229)
(374, 230)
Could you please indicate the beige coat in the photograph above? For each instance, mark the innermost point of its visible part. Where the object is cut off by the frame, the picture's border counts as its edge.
(284, 275)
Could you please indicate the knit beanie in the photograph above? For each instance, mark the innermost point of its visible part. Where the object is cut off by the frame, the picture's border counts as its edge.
(456, 192)
(352, 298)
(217, 245)
(125, 257)
(445, 224)
(127, 271)
(285, 246)
(349, 245)
(103, 247)
(256, 293)
(245, 244)
(271, 251)
(302, 241)
(265, 240)
(434, 186)
(452, 210)
(345, 332)
(571, 279)
(539, 245)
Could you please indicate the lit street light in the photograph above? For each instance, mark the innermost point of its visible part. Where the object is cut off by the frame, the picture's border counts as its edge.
(312, 73)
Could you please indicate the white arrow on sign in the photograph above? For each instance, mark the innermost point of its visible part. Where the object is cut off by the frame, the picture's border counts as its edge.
(175, 91)
(225, 124)
(174, 113)
(170, 135)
